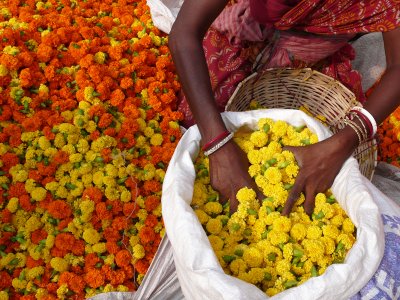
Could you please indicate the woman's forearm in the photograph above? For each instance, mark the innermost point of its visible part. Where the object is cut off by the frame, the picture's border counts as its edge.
(386, 96)
(191, 66)
(186, 44)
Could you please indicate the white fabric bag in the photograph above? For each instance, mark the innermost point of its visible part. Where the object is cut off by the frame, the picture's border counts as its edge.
(199, 272)
(164, 12)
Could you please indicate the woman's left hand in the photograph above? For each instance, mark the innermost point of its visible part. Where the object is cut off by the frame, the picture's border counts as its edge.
(319, 164)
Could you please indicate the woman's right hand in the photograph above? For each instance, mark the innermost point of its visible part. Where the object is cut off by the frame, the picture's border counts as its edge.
(229, 173)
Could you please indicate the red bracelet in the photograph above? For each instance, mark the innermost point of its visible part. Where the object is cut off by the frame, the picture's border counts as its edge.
(365, 119)
(215, 140)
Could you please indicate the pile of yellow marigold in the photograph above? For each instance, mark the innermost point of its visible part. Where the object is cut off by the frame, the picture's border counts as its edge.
(87, 128)
(257, 244)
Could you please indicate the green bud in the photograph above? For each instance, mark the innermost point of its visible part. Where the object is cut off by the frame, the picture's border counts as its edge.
(314, 272)
(228, 258)
(239, 252)
(267, 276)
(298, 253)
(272, 256)
(290, 283)
(252, 212)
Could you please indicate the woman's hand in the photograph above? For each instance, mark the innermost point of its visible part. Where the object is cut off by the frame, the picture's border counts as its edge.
(319, 164)
(229, 173)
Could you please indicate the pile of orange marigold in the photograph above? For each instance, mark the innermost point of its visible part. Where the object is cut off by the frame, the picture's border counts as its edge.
(87, 128)
(389, 139)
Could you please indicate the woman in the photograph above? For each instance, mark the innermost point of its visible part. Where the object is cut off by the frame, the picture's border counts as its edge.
(333, 22)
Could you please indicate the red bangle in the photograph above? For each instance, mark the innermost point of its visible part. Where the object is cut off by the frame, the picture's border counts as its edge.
(366, 121)
(215, 140)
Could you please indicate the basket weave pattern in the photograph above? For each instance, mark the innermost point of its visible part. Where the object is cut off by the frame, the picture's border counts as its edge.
(321, 95)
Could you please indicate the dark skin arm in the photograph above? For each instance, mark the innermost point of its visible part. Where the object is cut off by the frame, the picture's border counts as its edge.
(320, 163)
(228, 165)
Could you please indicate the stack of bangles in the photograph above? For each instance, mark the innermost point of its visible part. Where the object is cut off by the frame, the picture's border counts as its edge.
(217, 142)
(365, 128)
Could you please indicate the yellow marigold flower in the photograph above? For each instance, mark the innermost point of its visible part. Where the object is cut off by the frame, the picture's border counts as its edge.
(283, 266)
(86, 206)
(98, 178)
(214, 226)
(253, 257)
(329, 244)
(254, 170)
(320, 199)
(111, 193)
(216, 242)
(330, 231)
(19, 284)
(125, 196)
(202, 216)
(40, 293)
(99, 248)
(238, 266)
(3, 70)
(111, 170)
(213, 208)
(32, 224)
(348, 226)
(279, 128)
(142, 214)
(50, 241)
(346, 239)
(292, 170)
(315, 249)
(76, 157)
(34, 272)
(62, 290)
(254, 157)
(156, 139)
(138, 251)
(30, 185)
(273, 175)
(314, 232)
(282, 223)
(90, 126)
(326, 209)
(91, 236)
(44, 143)
(337, 220)
(259, 138)
(277, 237)
(288, 251)
(148, 131)
(12, 205)
(100, 57)
(62, 192)
(272, 291)
(246, 195)
(69, 148)
(82, 146)
(269, 220)
(59, 140)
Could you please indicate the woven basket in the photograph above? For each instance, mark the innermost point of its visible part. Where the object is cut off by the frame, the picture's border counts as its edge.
(318, 94)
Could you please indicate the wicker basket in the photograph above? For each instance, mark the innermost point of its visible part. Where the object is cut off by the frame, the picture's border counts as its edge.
(319, 94)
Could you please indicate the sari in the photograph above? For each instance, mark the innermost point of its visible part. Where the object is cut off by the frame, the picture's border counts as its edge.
(296, 34)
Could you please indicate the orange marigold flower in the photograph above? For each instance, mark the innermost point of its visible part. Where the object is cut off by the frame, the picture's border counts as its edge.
(44, 53)
(142, 266)
(117, 97)
(93, 193)
(38, 235)
(94, 278)
(123, 258)
(151, 202)
(105, 120)
(147, 235)
(120, 223)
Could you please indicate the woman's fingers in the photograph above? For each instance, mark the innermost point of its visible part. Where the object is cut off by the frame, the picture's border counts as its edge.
(293, 195)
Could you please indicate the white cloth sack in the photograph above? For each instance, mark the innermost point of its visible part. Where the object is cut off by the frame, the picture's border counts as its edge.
(199, 272)
(164, 12)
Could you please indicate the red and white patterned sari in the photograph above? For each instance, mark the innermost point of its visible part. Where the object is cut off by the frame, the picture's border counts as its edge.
(313, 33)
